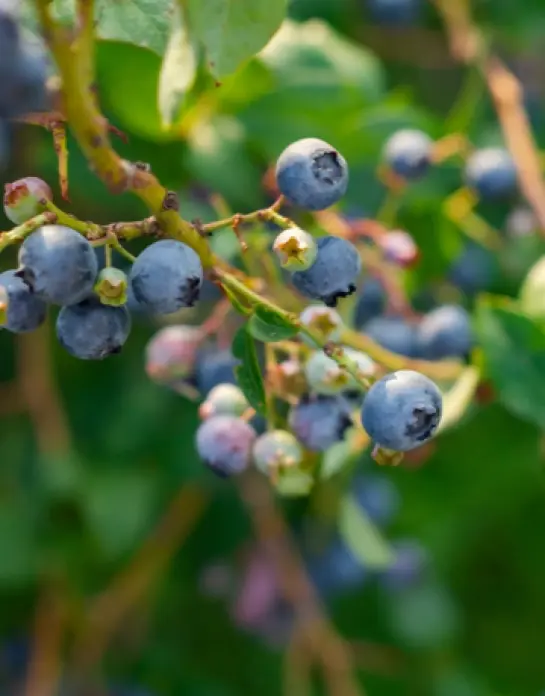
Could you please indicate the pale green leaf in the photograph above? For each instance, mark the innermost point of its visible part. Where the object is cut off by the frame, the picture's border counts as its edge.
(362, 537)
(178, 73)
(232, 31)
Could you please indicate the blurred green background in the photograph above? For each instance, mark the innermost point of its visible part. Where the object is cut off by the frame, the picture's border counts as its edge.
(92, 455)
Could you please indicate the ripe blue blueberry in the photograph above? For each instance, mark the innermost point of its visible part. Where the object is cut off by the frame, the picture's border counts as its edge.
(324, 321)
(393, 333)
(402, 410)
(445, 332)
(408, 153)
(371, 301)
(296, 249)
(378, 496)
(58, 265)
(394, 12)
(474, 269)
(167, 276)
(312, 174)
(22, 198)
(491, 173)
(333, 275)
(225, 443)
(93, 331)
(336, 570)
(213, 368)
(23, 311)
(224, 400)
(172, 352)
(321, 421)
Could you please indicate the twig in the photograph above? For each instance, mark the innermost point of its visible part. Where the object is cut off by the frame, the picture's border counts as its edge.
(318, 635)
(44, 672)
(90, 129)
(107, 611)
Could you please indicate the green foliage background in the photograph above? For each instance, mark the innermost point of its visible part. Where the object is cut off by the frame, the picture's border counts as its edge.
(479, 502)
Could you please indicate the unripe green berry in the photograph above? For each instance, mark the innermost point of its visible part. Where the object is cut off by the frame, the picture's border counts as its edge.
(111, 286)
(325, 376)
(532, 292)
(296, 249)
(324, 321)
(224, 400)
(23, 198)
(276, 451)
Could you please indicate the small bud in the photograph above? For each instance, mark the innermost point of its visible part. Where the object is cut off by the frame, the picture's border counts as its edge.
(278, 455)
(287, 378)
(296, 249)
(399, 248)
(23, 198)
(111, 287)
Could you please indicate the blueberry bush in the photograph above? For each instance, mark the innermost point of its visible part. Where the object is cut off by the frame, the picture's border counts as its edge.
(272, 287)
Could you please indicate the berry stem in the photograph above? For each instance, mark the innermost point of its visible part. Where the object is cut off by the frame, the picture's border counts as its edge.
(264, 215)
(17, 234)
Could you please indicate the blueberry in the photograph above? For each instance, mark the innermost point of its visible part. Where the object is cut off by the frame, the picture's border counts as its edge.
(399, 248)
(214, 368)
(394, 12)
(296, 249)
(409, 565)
(491, 173)
(224, 400)
(402, 410)
(277, 450)
(172, 352)
(324, 321)
(408, 153)
(319, 422)
(445, 332)
(22, 198)
(393, 333)
(312, 174)
(25, 312)
(334, 273)
(58, 265)
(474, 269)
(378, 496)
(371, 301)
(224, 443)
(325, 376)
(92, 331)
(336, 570)
(167, 276)
(521, 222)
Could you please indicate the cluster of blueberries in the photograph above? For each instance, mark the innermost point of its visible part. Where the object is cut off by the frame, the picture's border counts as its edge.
(23, 73)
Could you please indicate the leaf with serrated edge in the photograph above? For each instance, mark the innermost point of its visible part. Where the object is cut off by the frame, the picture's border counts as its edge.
(248, 373)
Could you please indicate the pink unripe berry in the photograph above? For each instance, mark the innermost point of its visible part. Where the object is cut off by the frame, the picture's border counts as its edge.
(172, 352)
(399, 248)
(23, 198)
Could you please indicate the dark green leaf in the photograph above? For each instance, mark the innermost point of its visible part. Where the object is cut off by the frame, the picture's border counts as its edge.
(514, 357)
(270, 326)
(248, 374)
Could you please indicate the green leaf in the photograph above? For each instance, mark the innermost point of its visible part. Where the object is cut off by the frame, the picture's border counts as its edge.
(362, 537)
(458, 399)
(514, 356)
(270, 326)
(178, 73)
(18, 560)
(232, 31)
(145, 23)
(339, 456)
(248, 374)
